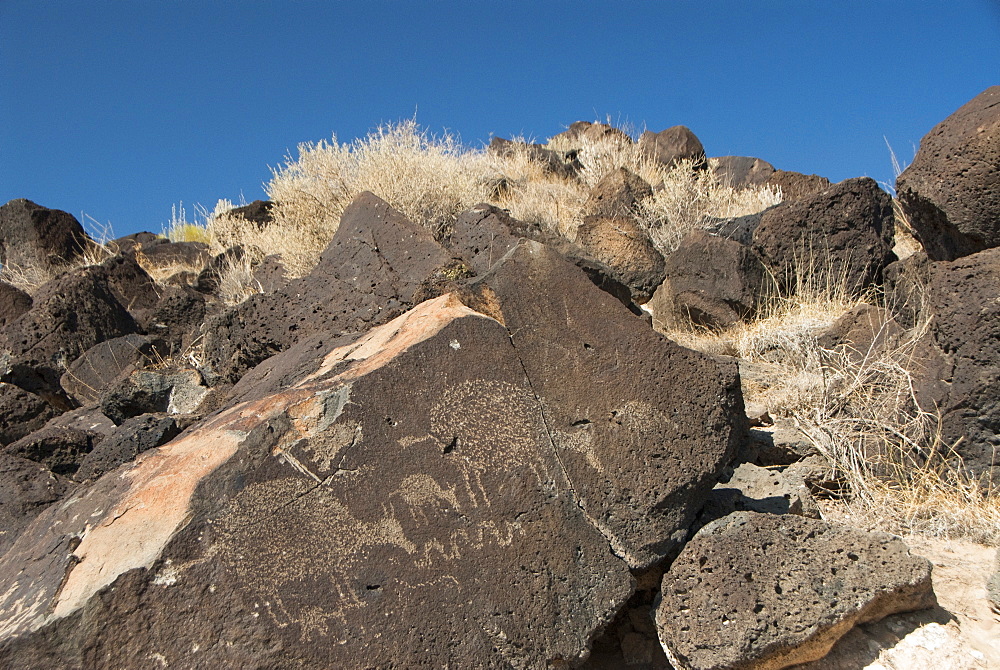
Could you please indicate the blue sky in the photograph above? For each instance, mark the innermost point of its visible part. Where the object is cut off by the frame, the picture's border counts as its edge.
(119, 110)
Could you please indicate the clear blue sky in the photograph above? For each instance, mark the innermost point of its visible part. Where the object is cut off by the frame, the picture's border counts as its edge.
(121, 109)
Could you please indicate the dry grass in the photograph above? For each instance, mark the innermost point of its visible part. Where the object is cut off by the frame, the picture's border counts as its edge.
(860, 411)
(30, 278)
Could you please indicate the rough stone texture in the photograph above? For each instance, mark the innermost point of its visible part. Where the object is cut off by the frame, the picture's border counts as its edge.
(176, 317)
(177, 254)
(741, 171)
(780, 444)
(58, 448)
(484, 234)
(669, 146)
(70, 314)
(509, 441)
(35, 236)
(26, 488)
(134, 436)
(905, 281)
(751, 488)
(130, 284)
(960, 359)
(795, 185)
(738, 228)
(951, 190)
(845, 232)
(209, 278)
(258, 211)
(622, 244)
(271, 275)
(21, 413)
(863, 332)
(371, 272)
(709, 281)
(129, 244)
(560, 163)
(13, 303)
(760, 591)
(618, 194)
(97, 369)
(148, 391)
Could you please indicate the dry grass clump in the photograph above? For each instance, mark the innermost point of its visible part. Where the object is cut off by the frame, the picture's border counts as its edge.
(30, 278)
(860, 411)
(429, 179)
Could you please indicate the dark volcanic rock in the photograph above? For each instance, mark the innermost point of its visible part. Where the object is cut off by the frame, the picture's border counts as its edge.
(371, 272)
(178, 314)
(13, 303)
(741, 171)
(580, 133)
(951, 191)
(209, 278)
(21, 413)
(843, 234)
(862, 332)
(258, 211)
(97, 369)
(60, 449)
(795, 185)
(178, 391)
(35, 236)
(130, 284)
(523, 457)
(70, 314)
(764, 591)
(134, 436)
(959, 373)
(26, 488)
(669, 146)
(623, 245)
(711, 282)
(618, 194)
(180, 255)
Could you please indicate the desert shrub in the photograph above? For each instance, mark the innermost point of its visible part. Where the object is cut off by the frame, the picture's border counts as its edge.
(179, 229)
(430, 179)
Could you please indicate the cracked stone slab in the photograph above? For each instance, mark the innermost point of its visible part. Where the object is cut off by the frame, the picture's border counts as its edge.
(764, 592)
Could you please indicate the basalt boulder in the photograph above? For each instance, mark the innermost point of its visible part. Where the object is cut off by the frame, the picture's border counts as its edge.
(740, 171)
(21, 412)
(795, 185)
(526, 458)
(133, 437)
(371, 272)
(623, 245)
(841, 235)
(959, 361)
(760, 591)
(92, 374)
(13, 303)
(26, 488)
(672, 145)
(618, 194)
(32, 236)
(69, 315)
(559, 163)
(583, 133)
(950, 193)
(710, 281)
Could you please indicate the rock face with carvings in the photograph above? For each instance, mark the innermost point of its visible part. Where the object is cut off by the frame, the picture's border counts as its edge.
(469, 484)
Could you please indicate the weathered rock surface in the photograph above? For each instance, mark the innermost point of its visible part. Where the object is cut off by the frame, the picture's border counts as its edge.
(177, 316)
(370, 273)
(98, 368)
(669, 146)
(21, 413)
(60, 449)
(960, 360)
(177, 391)
(134, 436)
(993, 585)
(844, 233)
(741, 171)
(581, 133)
(764, 591)
(618, 194)
(951, 191)
(70, 314)
(795, 185)
(751, 488)
(710, 281)
(625, 247)
(561, 163)
(34, 236)
(526, 456)
(258, 211)
(13, 303)
(130, 284)
(26, 488)
(177, 256)
(862, 333)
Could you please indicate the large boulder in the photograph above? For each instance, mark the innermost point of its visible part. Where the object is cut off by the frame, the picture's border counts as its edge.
(623, 245)
(32, 236)
(951, 191)
(13, 303)
(526, 458)
(70, 314)
(959, 371)
(618, 194)
(841, 235)
(760, 591)
(21, 413)
(559, 163)
(672, 145)
(740, 171)
(795, 185)
(373, 270)
(710, 281)
(92, 374)
(133, 437)
(582, 133)
(26, 488)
